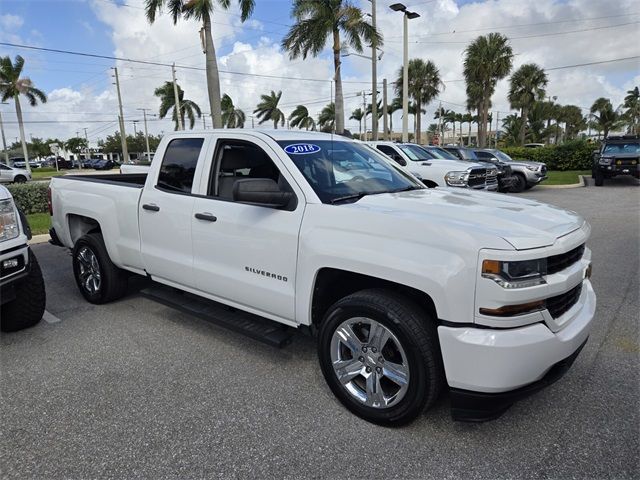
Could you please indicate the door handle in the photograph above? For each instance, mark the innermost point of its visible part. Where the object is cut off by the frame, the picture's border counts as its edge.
(152, 207)
(426, 164)
(206, 216)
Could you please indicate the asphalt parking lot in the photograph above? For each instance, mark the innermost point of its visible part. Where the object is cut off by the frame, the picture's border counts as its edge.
(136, 389)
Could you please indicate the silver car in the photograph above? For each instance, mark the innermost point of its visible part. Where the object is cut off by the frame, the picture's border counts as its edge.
(13, 175)
(527, 173)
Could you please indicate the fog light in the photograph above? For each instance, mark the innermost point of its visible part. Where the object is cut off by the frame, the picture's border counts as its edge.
(11, 263)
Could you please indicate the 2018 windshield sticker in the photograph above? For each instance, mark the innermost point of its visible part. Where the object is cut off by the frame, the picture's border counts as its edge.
(301, 148)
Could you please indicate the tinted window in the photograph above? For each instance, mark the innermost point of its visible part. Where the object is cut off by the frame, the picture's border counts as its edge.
(630, 147)
(179, 164)
(440, 153)
(387, 150)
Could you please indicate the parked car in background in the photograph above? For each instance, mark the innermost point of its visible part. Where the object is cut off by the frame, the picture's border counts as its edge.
(90, 162)
(104, 164)
(435, 171)
(534, 145)
(22, 291)
(411, 290)
(527, 174)
(13, 175)
(506, 180)
(618, 155)
(19, 162)
(63, 164)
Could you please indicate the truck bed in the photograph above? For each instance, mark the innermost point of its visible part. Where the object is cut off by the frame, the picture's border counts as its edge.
(135, 180)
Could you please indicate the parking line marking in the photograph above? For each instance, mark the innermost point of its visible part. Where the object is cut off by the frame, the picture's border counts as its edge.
(50, 318)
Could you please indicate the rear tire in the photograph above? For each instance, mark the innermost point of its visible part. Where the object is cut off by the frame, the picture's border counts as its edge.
(27, 308)
(599, 178)
(520, 184)
(98, 279)
(403, 370)
(20, 179)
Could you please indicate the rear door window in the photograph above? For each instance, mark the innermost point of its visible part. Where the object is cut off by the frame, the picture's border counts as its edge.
(179, 165)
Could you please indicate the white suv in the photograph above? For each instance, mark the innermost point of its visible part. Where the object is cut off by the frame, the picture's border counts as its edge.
(439, 172)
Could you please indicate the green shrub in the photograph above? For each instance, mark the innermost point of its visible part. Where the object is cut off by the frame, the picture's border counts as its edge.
(30, 197)
(574, 155)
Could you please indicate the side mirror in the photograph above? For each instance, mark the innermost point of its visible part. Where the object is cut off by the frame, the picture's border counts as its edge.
(399, 159)
(261, 191)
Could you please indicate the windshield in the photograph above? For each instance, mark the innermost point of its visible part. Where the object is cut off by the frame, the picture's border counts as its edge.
(622, 148)
(502, 156)
(339, 170)
(416, 153)
(440, 153)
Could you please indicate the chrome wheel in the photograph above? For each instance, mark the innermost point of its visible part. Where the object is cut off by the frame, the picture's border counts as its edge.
(369, 362)
(89, 270)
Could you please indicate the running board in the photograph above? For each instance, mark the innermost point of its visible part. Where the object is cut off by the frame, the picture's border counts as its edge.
(258, 328)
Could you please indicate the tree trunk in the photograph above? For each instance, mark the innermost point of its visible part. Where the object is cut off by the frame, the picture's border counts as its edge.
(339, 100)
(418, 119)
(391, 122)
(523, 127)
(454, 131)
(482, 140)
(213, 78)
(24, 143)
(469, 135)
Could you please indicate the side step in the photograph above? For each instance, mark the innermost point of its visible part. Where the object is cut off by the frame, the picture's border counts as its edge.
(258, 328)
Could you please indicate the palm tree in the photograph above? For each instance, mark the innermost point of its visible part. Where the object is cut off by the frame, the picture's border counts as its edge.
(12, 86)
(445, 117)
(452, 117)
(202, 11)
(415, 111)
(300, 118)
(394, 106)
(232, 117)
(527, 86)
(574, 121)
(424, 85)
(316, 20)
(268, 109)
(467, 118)
(632, 112)
(487, 59)
(327, 118)
(511, 125)
(432, 130)
(358, 115)
(605, 118)
(167, 102)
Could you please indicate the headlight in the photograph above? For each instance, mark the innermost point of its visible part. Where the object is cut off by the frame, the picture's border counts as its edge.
(531, 167)
(8, 220)
(605, 160)
(456, 179)
(527, 273)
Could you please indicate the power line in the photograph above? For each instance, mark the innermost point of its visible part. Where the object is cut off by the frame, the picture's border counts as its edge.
(160, 64)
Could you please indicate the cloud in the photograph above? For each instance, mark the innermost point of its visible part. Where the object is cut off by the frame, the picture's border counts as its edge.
(11, 22)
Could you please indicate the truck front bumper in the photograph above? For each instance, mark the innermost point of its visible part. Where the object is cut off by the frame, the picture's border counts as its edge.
(14, 265)
(487, 369)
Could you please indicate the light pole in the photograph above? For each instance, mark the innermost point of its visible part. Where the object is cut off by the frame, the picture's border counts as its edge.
(374, 79)
(407, 15)
(146, 134)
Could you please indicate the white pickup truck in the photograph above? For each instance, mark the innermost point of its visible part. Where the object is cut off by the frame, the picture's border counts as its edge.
(409, 289)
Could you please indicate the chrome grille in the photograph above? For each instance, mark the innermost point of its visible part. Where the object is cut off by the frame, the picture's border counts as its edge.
(491, 176)
(477, 178)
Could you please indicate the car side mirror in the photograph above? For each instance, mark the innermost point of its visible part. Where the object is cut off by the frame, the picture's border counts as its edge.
(399, 159)
(261, 191)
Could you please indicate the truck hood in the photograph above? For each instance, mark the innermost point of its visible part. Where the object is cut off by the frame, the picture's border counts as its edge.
(523, 223)
(525, 163)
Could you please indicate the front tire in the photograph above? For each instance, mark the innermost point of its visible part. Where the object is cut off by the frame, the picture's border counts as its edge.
(599, 178)
(27, 308)
(97, 278)
(380, 356)
(20, 179)
(520, 184)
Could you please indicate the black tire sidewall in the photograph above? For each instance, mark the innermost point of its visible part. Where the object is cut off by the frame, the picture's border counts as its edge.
(414, 399)
(27, 308)
(20, 179)
(599, 178)
(521, 183)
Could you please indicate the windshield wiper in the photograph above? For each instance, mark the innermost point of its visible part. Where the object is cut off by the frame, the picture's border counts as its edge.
(353, 196)
(405, 189)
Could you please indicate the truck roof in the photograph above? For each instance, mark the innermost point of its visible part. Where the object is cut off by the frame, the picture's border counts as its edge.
(276, 135)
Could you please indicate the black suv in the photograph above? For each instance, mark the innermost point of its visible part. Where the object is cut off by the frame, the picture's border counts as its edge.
(506, 180)
(618, 155)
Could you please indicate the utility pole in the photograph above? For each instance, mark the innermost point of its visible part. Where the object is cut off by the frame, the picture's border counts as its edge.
(86, 138)
(146, 134)
(364, 116)
(440, 129)
(374, 79)
(4, 141)
(135, 130)
(177, 98)
(405, 80)
(385, 132)
(123, 135)
(497, 126)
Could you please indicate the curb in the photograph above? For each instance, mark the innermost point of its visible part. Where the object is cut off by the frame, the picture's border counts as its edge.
(39, 239)
(581, 183)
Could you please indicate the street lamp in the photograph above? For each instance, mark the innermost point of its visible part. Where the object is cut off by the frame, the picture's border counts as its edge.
(407, 15)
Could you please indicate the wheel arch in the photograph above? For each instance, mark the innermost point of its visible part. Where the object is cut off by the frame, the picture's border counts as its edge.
(332, 284)
(80, 225)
